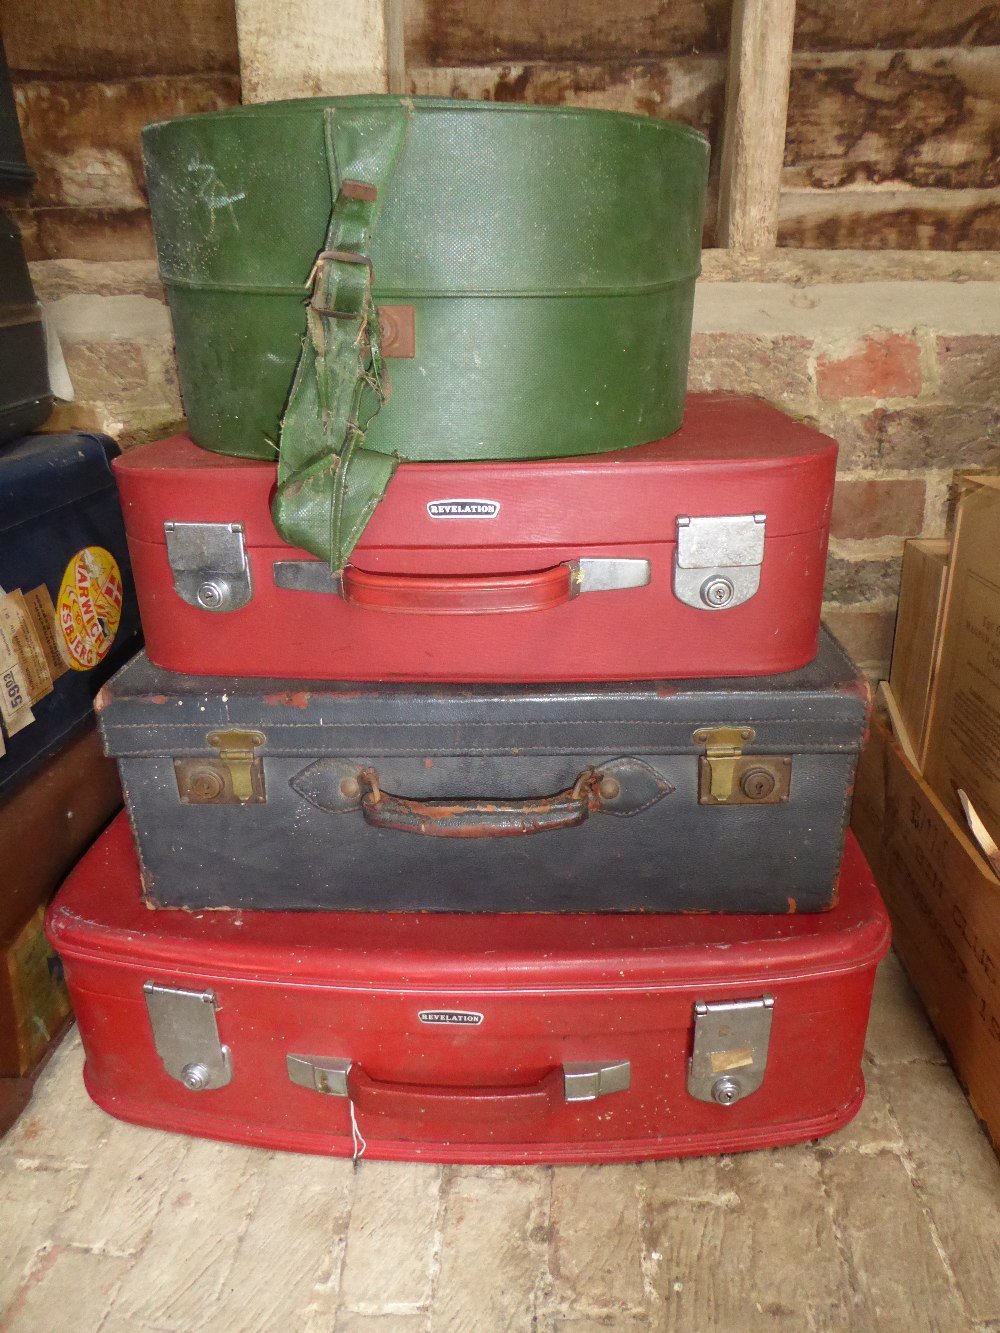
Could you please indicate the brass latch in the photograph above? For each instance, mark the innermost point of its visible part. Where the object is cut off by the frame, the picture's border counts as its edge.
(726, 776)
(235, 778)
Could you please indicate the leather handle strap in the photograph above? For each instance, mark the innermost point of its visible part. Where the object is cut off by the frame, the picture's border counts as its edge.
(478, 594)
(496, 1106)
(477, 818)
(328, 484)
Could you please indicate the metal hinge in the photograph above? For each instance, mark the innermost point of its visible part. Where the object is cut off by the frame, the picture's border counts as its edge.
(235, 778)
(585, 1080)
(726, 776)
(729, 1056)
(210, 565)
(717, 565)
(324, 1075)
(600, 574)
(186, 1036)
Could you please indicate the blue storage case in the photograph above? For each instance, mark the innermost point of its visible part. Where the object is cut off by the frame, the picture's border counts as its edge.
(68, 614)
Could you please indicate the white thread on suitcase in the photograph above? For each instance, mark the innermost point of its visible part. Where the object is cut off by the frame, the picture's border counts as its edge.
(357, 1138)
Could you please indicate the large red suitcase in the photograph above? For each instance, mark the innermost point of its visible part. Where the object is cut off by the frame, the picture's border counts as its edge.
(702, 554)
(470, 1038)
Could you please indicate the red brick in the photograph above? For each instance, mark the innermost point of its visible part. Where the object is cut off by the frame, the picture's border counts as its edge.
(865, 635)
(775, 369)
(905, 439)
(883, 366)
(970, 368)
(875, 508)
(856, 582)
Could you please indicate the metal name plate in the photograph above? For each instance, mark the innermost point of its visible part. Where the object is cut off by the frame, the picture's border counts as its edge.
(463, 508)
(456, 1017)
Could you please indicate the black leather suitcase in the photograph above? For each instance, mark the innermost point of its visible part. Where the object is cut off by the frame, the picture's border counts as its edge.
(25, 395)
(695, 795)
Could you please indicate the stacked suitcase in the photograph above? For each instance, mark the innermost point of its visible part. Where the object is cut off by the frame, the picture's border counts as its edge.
(518, 836)
(67, 619)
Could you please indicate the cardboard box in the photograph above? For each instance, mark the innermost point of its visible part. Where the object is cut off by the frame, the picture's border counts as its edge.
(962, 747)
(916, 642)
(944, 902)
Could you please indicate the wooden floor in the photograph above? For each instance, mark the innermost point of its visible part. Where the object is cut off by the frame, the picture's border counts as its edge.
(893, 1223)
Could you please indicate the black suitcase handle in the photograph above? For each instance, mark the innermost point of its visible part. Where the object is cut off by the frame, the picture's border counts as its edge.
(482, 819)
(623, 787)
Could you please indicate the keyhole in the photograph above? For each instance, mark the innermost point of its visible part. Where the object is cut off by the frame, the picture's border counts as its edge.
(757, 784)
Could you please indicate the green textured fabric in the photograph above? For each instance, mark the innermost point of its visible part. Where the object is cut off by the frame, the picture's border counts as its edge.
(328, 483)
(549, 255)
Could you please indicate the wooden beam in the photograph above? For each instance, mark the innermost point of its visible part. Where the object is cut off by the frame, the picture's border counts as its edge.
(311, 48)
(760, 61)
(395, 46)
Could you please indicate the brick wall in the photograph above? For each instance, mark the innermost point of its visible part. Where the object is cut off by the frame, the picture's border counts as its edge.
(905, 375)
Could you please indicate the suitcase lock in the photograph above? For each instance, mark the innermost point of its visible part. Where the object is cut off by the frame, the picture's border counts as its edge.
(186, 1036)
(729, 1056)
(209, 563)
(727, 776)
(236, 777)
(718, 559)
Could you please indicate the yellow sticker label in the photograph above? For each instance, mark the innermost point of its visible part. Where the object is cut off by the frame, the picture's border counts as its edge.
(89, 606)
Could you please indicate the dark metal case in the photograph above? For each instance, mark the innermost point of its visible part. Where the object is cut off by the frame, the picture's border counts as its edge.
(697, 795)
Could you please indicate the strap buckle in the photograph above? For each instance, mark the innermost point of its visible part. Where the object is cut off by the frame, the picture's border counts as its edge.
(336, 257)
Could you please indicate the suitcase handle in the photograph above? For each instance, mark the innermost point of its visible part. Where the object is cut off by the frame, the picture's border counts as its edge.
(479, 818)
(622, 787)
(473, 594)
(415, 1103)
(470, 595)
(465, 1107)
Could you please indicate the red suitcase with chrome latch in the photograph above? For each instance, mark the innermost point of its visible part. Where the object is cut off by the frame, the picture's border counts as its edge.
(470, 1038)
(701, 554)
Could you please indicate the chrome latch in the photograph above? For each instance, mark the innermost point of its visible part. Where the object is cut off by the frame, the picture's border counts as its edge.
(729, 1056)
(235, 778)
(319, 1073)
(186, 1036)
(210, 566)
(727, 776)
(585, 1080)
(718, 559)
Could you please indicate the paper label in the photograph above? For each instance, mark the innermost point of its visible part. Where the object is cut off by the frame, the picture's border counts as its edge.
(39, 994)
(43, 617)
(18, 630)
(15, 700)
(89, 606)
(15, 707)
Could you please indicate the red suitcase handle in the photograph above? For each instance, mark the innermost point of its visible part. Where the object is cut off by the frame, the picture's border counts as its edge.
(466, 595)
(478, 818)
(418, 1103)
